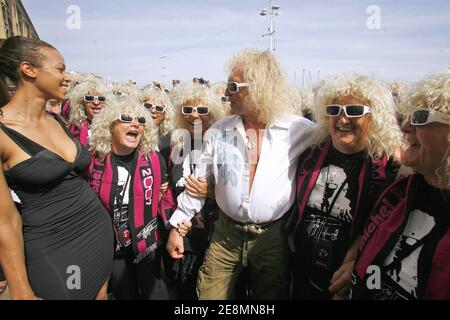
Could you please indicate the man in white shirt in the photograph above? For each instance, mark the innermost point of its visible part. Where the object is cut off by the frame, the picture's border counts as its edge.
(251, 157)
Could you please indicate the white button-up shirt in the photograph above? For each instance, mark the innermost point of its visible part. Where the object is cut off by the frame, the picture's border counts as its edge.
(225, 162)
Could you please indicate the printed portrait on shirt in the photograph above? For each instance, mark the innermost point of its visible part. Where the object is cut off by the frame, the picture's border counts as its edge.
(122, 199)
(330, 195)
(402, 262)
(230, 156)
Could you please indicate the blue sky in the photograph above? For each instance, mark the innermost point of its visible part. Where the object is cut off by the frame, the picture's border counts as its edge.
(125, 39)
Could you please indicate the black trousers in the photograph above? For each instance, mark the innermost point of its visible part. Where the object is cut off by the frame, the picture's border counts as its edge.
(142, 281)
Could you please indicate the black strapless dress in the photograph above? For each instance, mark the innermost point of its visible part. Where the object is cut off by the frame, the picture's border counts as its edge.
(68, 234)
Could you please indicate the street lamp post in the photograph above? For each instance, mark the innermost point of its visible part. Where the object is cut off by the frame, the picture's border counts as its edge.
(274, 11)
(163, 59)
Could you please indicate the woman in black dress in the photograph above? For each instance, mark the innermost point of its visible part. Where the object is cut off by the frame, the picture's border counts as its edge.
(61, 245)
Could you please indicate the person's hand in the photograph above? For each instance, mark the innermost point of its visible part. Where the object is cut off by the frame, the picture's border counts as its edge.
(184, 228)
(339, 297)
(196, 187)
(175, 245)
(163, 190)
(341, 281)
(199, 188)
(164, 187)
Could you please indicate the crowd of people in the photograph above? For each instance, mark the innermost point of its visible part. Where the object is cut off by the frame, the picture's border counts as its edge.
(243, 189)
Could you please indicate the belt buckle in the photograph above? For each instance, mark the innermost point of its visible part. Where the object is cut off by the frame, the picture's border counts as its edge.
(253, 229)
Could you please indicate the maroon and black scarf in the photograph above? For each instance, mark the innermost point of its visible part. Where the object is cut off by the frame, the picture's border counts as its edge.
(373, 173)
(81, 133)
(380, 235)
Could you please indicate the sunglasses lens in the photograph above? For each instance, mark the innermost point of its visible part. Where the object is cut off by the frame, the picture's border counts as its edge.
(159, 108)
(148, 105)
(89, 98)
(420, 117)
(202, 110)
(333, 111)
(126, 118)
(101, 99)
(187, 110)
(142, 120)
(355, 111)
(232, 86)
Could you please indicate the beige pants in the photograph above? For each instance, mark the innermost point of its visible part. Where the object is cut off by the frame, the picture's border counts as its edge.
(231, 249)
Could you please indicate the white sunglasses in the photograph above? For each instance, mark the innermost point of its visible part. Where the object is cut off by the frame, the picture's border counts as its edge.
(350, 110)
(422, 116)
(234, 86)
(200, 110)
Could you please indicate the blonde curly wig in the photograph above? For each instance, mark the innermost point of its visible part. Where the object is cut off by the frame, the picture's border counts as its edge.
(384, 133)
(399, 90)
(219, 88)
(126, 89)
(103, 125)
(184, 92)
(303, 102)
(269, 92)
(79, 77)
(77, 111)
(152, 93)
(433, 92)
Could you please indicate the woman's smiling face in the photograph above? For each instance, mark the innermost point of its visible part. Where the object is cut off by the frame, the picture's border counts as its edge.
(426, 146)
(195, 121)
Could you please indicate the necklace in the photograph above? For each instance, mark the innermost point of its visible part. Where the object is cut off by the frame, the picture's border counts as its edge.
(249, 143)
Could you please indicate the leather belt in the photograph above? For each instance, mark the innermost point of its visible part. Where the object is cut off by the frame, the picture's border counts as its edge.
(252, 228)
